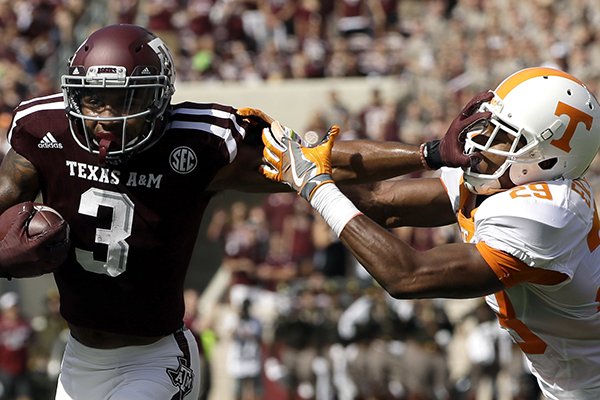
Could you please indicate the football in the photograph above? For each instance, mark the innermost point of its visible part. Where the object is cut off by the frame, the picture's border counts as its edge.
(43, 218)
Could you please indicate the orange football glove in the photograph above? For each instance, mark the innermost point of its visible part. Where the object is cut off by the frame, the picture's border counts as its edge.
(255, 113)
(273, 139)
(306, 168)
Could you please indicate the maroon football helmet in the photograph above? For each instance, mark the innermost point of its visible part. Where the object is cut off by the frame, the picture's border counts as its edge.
(138, 66)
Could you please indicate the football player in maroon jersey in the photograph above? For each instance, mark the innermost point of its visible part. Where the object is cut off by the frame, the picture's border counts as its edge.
(132, 174)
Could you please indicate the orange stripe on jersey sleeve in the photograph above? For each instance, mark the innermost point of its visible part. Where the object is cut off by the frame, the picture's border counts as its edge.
(511, 271)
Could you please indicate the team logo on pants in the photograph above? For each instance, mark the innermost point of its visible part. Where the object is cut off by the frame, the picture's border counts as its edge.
(182, 377)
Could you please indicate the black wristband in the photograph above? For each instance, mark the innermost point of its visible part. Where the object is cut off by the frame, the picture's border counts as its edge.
(431, 154)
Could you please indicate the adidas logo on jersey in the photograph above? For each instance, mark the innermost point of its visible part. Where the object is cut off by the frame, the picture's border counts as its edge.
(49, 142)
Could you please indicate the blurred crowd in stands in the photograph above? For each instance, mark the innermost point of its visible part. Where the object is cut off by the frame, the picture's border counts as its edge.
(307, 322)
(443, 50)
(440, 48)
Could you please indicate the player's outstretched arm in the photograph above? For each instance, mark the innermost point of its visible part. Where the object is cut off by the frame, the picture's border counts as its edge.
(416, 202)
(360, 161)
(356, 161)
(353, 161)
(368, 161)
(456, 270)
(451, 270)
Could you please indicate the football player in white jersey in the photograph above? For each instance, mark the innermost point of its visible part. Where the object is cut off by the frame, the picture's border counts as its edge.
(529, 223)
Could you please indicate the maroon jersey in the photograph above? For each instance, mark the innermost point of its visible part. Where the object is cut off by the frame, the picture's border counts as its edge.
(133, 226)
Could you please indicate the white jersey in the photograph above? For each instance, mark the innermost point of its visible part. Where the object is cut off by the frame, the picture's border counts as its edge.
(542, 241)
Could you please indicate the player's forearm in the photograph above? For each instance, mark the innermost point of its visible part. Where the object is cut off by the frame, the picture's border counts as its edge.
(409, 202)
(447, 271)
(454, 270)
(395, 265)
(368, 161)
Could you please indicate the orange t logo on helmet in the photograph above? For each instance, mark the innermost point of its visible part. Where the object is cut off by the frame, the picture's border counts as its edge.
(575, 116)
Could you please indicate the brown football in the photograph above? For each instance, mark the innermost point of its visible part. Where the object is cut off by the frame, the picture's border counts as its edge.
(43, 218)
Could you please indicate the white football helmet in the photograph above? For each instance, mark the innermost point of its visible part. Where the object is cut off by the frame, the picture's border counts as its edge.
(553, 121)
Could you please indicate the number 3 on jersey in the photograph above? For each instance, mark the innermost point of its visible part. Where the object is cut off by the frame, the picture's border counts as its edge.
(120, 229)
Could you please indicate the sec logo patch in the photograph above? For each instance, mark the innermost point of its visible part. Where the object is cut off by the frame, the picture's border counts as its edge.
(183, 160)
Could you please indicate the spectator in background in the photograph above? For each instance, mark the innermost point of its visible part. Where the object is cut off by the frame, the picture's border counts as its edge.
(227, 17)
(258, 221)
(361, 327)
(411, 122)
(161, 20)
(198, 17)
(330, 257)
(336, 111)
(386, 16)
(47, 347)
(298, 237)
(308, 19)
(124, 11)
(378, 119)
(278, 206)
(317, 121)
(279, 20)
(245, 355)
(15, 337)
(295, 342)
(423, 369)
(278, 267)
(484, 352)
(274, 272)
(193, 321)
(342, 60)
(244, 247)
(191, 316)
(352, 17)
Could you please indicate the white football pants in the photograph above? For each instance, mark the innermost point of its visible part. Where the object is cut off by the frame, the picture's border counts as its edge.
(165, 370)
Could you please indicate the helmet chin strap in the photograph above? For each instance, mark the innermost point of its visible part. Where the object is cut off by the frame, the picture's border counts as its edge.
(106, 138)
(489, 185)
(482, 186)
